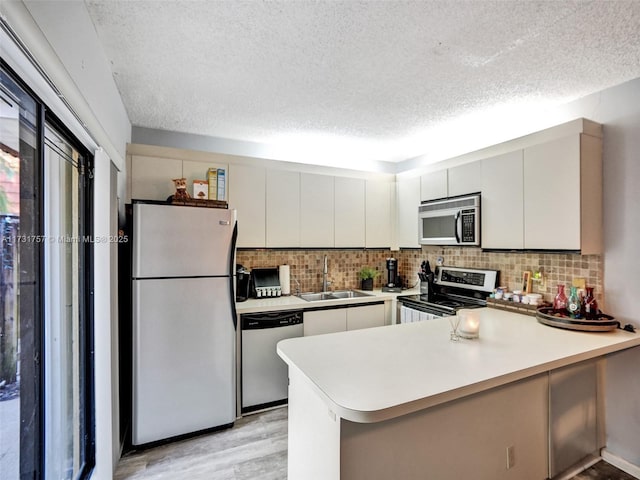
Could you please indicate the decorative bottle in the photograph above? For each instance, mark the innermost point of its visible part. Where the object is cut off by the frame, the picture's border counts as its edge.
(573, 303)
(560, 301)
(590, 305)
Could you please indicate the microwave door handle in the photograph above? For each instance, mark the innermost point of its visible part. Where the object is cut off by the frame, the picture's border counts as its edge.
(457, 220)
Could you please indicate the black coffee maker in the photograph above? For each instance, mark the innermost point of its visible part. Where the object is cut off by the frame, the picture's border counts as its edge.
(243, 283)
(394, 282)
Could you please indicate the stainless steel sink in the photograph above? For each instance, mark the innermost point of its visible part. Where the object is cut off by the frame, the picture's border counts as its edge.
(318, 296)
(350, 294)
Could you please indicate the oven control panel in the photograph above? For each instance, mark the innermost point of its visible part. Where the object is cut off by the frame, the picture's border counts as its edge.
(463, 278)
(467, 278)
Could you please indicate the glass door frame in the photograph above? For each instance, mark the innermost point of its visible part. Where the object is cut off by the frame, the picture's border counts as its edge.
(32, 391)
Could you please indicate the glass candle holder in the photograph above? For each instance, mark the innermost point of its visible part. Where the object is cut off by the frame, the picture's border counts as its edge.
(469, 324)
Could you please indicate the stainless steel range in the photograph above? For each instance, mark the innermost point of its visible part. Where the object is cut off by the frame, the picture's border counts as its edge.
(447, 290)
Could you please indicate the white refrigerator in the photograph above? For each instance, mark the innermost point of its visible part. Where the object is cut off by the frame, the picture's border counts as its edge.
(184, 322)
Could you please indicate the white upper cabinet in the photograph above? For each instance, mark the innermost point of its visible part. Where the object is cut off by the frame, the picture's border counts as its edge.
(502, 202)
(283, 209)
(247, 194)
(316, 210)
(378, 213)
(563, 195)
(545, 197)
(408, 192)
(465, 179)
(349, 212)
(460, 180)
(552, 195)
(433, 185)
(151, 177)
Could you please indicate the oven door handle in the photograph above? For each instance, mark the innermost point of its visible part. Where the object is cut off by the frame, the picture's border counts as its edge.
(458, 222)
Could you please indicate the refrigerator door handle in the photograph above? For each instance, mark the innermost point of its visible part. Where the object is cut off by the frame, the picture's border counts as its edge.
(224, 222)
(232, 274)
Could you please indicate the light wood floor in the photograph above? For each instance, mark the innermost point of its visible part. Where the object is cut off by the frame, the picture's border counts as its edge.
(255, 448)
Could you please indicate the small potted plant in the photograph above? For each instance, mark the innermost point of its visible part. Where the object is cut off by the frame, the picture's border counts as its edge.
(367, 274)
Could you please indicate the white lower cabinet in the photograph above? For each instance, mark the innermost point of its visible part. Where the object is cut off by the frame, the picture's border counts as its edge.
(365, 317)
(317, 322)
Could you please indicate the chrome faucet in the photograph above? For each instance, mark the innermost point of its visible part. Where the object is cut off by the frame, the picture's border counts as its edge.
(325, 271)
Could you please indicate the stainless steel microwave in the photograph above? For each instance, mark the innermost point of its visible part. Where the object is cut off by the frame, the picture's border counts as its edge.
(451, 221)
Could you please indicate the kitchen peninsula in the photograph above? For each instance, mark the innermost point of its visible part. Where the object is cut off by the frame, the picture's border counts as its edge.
(403, 401)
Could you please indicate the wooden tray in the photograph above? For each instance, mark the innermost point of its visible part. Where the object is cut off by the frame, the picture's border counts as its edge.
(197, 202)
(605, 323)
(516, 307)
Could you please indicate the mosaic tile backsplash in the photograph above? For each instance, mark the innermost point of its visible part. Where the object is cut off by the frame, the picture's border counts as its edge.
(556, 268)
(343, 266)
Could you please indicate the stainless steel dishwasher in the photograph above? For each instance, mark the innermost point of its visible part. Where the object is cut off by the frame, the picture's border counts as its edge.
(265, 376)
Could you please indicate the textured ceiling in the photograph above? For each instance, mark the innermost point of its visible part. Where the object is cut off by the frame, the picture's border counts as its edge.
(368, 77)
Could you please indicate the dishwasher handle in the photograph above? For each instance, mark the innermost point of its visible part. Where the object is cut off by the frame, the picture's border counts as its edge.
(260, 321)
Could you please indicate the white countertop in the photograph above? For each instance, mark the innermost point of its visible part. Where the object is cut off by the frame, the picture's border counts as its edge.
(381, 373)
(291, 302)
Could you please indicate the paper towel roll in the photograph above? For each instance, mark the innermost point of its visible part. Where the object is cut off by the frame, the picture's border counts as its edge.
(285, 282)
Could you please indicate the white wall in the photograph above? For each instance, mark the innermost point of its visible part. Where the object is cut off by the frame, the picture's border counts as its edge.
(618, 109)
(71, 34)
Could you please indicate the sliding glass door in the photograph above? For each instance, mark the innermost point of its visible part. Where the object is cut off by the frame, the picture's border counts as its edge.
(65, 426)
(46, 375)
(20, 281)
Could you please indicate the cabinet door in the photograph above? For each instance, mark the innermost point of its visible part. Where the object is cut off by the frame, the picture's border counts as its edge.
(349, 212)
(465, 179)
(283, 209)
(573, 415)
(325, 321)
(367, 316)
(151, 177)
(552, 195)
(378, 214)
(433, 185)
(247, 192)
(407, 213)
(316, 210)
(502, 201)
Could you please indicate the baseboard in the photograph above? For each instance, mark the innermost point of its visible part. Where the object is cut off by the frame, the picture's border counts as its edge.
(620, 463)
